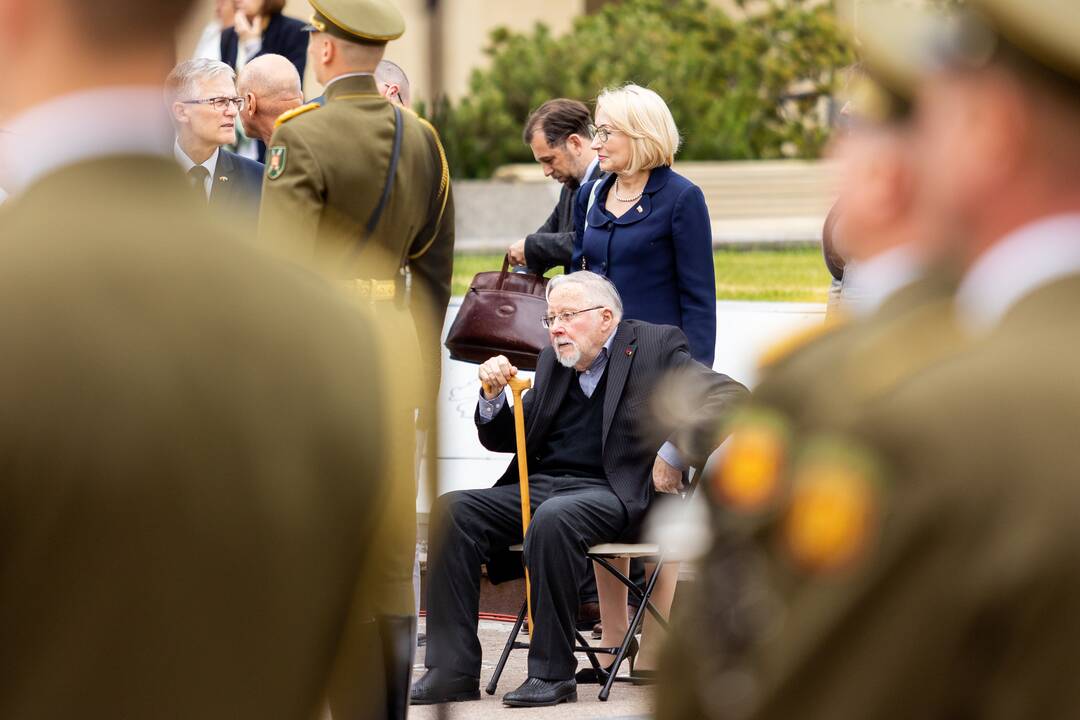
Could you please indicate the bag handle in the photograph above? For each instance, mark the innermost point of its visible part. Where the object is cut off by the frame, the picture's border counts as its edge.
(505, 272)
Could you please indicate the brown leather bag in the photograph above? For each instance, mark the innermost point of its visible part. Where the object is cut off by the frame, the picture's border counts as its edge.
(500, 315)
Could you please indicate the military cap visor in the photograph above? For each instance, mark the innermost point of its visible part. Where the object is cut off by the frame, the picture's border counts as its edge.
(372, 21)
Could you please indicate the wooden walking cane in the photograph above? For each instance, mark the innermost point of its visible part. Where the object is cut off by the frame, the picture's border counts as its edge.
(517, 387)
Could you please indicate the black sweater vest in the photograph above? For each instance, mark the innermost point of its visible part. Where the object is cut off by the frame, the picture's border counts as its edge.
(574, 445)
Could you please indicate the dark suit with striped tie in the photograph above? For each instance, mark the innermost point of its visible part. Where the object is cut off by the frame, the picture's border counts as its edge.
(571, 511)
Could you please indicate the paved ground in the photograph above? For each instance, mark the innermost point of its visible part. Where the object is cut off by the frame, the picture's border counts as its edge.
(626, 702)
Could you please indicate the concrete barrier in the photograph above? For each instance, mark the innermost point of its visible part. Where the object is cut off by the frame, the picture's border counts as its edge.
(775, 202)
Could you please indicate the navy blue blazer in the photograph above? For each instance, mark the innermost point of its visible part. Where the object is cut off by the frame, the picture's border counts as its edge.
(237, 188)
(283, 36)
(658, 254)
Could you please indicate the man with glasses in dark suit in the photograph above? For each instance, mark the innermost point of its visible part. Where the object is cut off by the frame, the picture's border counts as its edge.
(204, 107)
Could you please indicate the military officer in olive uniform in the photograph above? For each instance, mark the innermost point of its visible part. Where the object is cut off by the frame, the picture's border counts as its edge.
(919, 558)
(361, 186)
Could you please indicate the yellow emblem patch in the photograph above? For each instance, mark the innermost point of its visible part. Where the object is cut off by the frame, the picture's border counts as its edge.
(833, 514)
(750, 472)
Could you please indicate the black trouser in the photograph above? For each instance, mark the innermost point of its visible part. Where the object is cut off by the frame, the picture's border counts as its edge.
(569, 515)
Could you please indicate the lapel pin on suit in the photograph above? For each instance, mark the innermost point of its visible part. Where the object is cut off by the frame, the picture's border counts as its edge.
(223, 179)
(629, 352)
(639, 209)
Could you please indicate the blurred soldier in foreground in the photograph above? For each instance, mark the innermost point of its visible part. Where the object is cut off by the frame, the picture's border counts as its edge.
(190, 435)
(920, 558)
(361, 187)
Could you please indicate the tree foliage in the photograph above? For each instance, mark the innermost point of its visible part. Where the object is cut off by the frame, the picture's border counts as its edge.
(738, 89)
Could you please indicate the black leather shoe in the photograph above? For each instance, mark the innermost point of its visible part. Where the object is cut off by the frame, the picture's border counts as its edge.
(439, 685)
(535, 692)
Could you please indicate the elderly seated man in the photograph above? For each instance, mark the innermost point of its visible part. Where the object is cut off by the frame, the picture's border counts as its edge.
(592, 455)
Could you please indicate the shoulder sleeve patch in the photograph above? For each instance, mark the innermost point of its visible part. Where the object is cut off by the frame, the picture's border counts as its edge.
(834, 512)
(295, 112)
(751, 471)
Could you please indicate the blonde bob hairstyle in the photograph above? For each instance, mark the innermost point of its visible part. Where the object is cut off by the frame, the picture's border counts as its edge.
(644, 117)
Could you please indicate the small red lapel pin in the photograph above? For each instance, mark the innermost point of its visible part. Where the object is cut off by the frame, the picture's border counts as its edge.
(629, 352)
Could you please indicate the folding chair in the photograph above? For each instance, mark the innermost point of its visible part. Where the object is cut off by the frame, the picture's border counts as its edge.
(603, 554)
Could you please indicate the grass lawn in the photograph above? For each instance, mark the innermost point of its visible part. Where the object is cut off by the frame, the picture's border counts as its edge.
(793, 275)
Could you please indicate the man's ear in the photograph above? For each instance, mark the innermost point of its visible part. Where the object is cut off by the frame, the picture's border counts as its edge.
(576, 143)
(180, 112)
(250, 104)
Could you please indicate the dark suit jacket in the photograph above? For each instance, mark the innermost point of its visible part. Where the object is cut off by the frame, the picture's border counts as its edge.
(553, 243)
(237, 188)
(641, 355)
(658, 254)
(283, 36)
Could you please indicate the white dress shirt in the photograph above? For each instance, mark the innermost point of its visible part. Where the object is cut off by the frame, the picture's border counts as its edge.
(128, 120)
(187, 163)
(1029, 258)
(868, 284)
(209, 45)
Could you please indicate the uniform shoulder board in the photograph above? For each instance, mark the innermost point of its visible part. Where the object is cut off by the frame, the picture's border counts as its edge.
(791, 344)
(286, 117)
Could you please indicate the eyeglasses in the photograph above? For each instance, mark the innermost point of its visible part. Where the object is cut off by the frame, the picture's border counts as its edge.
(601, 133)
(565, 317)
(219, 103)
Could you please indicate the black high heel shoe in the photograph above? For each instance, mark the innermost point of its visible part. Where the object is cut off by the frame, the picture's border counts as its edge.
(590, 676)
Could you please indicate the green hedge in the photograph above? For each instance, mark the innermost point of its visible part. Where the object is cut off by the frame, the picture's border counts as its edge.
(738, 89)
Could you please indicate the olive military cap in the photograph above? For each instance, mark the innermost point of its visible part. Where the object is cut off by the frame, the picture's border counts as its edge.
(366, 21)
(883, 91)
(1045, 32)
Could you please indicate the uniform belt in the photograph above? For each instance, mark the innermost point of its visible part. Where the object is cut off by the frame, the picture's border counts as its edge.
(373, 290)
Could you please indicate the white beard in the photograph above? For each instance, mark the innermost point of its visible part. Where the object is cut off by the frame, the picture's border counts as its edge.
(569, 360)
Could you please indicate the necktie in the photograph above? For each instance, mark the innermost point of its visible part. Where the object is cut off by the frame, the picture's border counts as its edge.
(197, 176)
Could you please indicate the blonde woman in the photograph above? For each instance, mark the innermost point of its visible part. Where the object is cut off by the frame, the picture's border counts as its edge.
(647, 229)
(643, 225)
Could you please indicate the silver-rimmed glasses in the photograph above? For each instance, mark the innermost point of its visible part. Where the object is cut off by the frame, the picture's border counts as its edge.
(219, 103)
(565, 317)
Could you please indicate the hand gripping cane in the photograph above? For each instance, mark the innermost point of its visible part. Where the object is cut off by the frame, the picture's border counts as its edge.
(518, 386)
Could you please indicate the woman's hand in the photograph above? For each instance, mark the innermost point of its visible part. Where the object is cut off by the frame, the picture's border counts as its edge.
(247, 30)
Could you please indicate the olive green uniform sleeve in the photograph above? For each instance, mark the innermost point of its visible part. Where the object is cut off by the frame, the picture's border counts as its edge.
(293, 192)
(431, 262)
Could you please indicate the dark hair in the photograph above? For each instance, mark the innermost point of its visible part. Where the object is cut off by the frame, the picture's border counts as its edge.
(119, 21)
(558, 119)
(272, 7)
